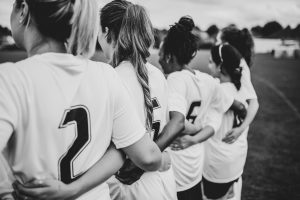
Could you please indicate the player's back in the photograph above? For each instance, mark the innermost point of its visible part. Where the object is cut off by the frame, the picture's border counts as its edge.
(62, 114)
(198, 90)
(158, 92)
(162, 184)
(225, 162)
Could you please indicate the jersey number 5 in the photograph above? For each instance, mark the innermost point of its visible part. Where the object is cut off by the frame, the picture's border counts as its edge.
(79, 117)
(191, 118)
(155, 124)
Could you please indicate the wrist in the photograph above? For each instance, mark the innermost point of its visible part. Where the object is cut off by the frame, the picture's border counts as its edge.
(194, 140)
(241, 128)
(74, 189)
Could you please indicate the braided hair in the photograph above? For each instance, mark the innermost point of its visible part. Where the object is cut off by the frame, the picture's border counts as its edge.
(130, 28)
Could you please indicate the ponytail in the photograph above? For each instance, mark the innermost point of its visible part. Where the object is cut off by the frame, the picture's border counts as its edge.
(242, 40)
(72, 21)
(229, 58)
(131, 29)
(85, 27)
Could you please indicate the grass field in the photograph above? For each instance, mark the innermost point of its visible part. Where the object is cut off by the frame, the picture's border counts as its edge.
(273, 165)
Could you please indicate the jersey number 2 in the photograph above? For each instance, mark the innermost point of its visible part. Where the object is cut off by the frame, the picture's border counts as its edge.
(79, 117)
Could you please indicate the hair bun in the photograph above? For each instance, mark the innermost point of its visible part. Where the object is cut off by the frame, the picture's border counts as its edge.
(187, 22)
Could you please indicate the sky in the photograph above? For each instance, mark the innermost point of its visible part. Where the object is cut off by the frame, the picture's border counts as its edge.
(243, 13)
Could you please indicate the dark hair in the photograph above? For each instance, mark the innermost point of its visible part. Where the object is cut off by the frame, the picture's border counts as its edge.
(241, 39)
(180, 42)
(229, 58)
(130, 28)
(75, 20)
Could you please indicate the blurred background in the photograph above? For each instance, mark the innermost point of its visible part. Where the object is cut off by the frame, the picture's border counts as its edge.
(273, 165)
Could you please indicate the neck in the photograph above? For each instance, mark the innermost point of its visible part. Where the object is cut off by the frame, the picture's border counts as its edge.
(189, 69)
(37, 44)
(225, 78)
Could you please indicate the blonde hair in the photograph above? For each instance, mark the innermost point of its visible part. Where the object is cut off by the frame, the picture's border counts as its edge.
(75, 22)
(85, 27)
(131, 29)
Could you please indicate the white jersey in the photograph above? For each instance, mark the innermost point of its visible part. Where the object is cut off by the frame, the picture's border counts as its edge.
(201, 93)
(247, 89)
(60, 114)
(6, 177)
(152, 185)
(225, 162)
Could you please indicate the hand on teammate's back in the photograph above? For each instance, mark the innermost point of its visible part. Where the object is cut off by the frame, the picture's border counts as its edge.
(233, 135)
(129, 173)
(43, 189)
(182, 143)
(7, 197)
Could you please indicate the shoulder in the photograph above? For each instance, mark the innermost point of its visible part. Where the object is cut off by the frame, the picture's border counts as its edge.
(102, 69)
(101, 66)
(229, 88)
(155, 73)
(205, 76)
(13, 71)
(179, 75)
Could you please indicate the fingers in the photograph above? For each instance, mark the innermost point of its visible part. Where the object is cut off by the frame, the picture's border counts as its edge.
(176, 147)
(36, 184)
(229, 139)
(24, 192)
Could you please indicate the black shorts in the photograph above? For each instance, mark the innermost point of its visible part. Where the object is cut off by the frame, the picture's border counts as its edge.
(216, 190)
(194, 193)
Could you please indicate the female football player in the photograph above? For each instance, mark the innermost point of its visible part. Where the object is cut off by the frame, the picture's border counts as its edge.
(224, 162)
(204, 102)
(125, 37)
(59, 111)
(242, 40)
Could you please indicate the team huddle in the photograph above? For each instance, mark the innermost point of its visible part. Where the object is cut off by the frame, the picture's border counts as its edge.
(73, 128)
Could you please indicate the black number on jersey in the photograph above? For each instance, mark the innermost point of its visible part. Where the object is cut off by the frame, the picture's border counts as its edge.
(79, 117)
(155, 124)
(191, 118)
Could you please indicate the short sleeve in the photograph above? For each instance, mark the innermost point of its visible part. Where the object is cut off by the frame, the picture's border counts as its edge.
(6, 177)
(176, 95)
(127, 128)
(222, 100)
(213, 118)
(247, 89)
(8, 105)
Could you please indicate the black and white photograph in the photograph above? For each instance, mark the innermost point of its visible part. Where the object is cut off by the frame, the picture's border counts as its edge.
(149, 100)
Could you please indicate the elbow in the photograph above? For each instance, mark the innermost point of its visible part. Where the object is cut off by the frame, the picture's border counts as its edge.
(181, 125)
(257, 105)
(180, 121)
(152, 161)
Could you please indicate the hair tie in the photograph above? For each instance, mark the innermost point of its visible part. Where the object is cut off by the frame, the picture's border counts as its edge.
(220, 52)
(239, 69)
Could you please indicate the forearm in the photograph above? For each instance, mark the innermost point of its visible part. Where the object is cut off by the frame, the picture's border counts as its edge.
(251, 113)
(171, 131)
(204, 134)
(107, 166)
(239, 109)
(190, 129)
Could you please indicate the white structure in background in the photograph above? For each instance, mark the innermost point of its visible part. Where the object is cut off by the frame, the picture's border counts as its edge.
(6, 41)
(279, 48)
